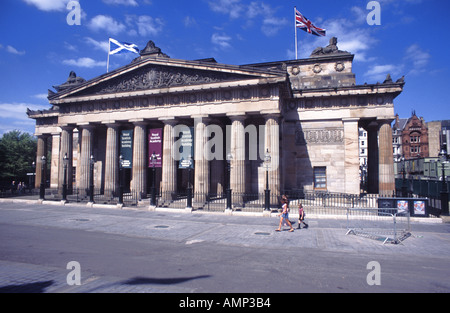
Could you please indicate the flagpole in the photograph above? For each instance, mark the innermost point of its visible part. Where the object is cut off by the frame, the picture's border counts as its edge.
(295, 27)
(109, 50)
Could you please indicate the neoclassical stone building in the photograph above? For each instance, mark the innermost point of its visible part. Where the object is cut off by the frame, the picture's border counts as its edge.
(304, 113)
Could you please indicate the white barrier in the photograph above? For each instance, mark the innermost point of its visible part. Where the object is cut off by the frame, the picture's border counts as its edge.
(387, 225)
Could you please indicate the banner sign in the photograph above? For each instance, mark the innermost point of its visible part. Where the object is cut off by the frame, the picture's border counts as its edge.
(126, 148)
(155, 147)
(187, 148)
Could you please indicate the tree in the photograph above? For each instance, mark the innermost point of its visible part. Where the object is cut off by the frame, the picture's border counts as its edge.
(17, 153)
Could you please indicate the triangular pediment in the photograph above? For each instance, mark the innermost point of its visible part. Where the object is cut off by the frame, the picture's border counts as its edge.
(168, 73)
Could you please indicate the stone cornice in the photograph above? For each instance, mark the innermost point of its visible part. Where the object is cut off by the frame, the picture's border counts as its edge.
(246, 73)
(372, 89)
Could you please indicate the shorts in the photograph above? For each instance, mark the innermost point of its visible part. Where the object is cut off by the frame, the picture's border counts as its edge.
(285, 216)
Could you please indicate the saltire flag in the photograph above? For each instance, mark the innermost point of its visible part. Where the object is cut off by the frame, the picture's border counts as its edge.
(306, 25)
(116, 47)
(120, 47)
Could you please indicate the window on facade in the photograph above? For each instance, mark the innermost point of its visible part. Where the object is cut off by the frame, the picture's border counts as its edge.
(320, 178)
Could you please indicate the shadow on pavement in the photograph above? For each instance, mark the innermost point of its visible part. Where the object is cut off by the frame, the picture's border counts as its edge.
(161, 281)
(38, 287)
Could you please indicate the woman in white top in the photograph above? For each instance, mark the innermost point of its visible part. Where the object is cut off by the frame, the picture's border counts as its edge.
(284, 214)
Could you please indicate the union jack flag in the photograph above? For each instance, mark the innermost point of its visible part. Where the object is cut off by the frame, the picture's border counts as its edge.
(304, 24)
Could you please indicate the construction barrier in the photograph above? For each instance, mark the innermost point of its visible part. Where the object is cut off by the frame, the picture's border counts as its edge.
(389, 225)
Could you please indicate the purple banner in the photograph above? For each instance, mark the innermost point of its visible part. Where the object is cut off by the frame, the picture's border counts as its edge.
(155, 147)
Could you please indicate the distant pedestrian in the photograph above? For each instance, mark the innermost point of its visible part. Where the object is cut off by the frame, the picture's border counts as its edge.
(284, 215)
(301, 216)
(13, 187)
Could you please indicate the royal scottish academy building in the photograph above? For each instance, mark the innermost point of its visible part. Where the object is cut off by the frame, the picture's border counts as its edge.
(159, 116)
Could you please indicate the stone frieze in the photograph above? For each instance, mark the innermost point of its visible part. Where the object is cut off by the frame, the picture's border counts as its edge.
(331, 136)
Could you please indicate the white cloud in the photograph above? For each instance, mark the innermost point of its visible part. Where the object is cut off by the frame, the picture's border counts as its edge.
(144, 25)
(13, 50)
(256, 10)
(84, 62)
(233, 8)
(149, 26)
(221, 40)
(189, 21)
(272, 25)
(48, 5)
(69, 46)
(132, 3)
(379, 72)
(41, 96)
(98, 45)
(106, 23)
(17, 111)
(418, 58)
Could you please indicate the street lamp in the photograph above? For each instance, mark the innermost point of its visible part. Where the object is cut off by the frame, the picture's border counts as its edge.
(65, 163)
(91, 180)
(267, 160)
(229, 158)
(42, 187)
(153, 159)
(189, 189)
(120, 179)
(33, 177)
(404, 189)
(444, 192)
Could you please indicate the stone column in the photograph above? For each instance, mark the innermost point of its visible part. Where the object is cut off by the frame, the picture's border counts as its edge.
(201, 179)
(386, 160)
(237, 150)
(272, 145)
(372, 158)
(351, 156)
(87, 144)
(54, 162)
(139, 171)
(66, 148)
(41, 151)
(169, 164)
(112, 160)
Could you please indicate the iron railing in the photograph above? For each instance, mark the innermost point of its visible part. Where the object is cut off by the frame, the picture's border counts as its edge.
(321, 203)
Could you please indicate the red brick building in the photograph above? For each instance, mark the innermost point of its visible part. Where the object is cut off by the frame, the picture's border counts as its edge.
(415, 138)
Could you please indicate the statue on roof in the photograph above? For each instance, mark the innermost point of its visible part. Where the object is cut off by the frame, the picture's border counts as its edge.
(72, 81)
(332, 48)
(152, 50)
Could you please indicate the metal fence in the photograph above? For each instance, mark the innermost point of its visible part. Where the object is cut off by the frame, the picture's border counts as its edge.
(331, 203)
(313, 202)
(79, 196)
(386, 225)
(217, 202)
(421, 188)
(430, 189)
(318, 203)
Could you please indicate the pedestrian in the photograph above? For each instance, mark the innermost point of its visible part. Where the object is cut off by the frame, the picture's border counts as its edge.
(13, 187)
(301, 216)
(284, 215)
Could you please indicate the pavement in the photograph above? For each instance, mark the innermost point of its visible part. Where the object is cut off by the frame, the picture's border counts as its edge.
(428, 237)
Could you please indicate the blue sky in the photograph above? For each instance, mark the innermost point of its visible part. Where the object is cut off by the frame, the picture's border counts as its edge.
(38, 48)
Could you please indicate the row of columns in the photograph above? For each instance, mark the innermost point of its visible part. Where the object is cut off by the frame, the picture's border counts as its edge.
(169, 170)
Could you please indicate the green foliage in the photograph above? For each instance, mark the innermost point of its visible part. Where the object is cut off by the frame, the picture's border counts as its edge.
(17, 153)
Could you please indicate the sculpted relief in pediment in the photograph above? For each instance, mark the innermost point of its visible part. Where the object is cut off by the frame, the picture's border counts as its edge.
(161, 77)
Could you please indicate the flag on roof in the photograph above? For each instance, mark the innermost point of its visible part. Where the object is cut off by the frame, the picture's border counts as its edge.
(306, 25)
(120, 47)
